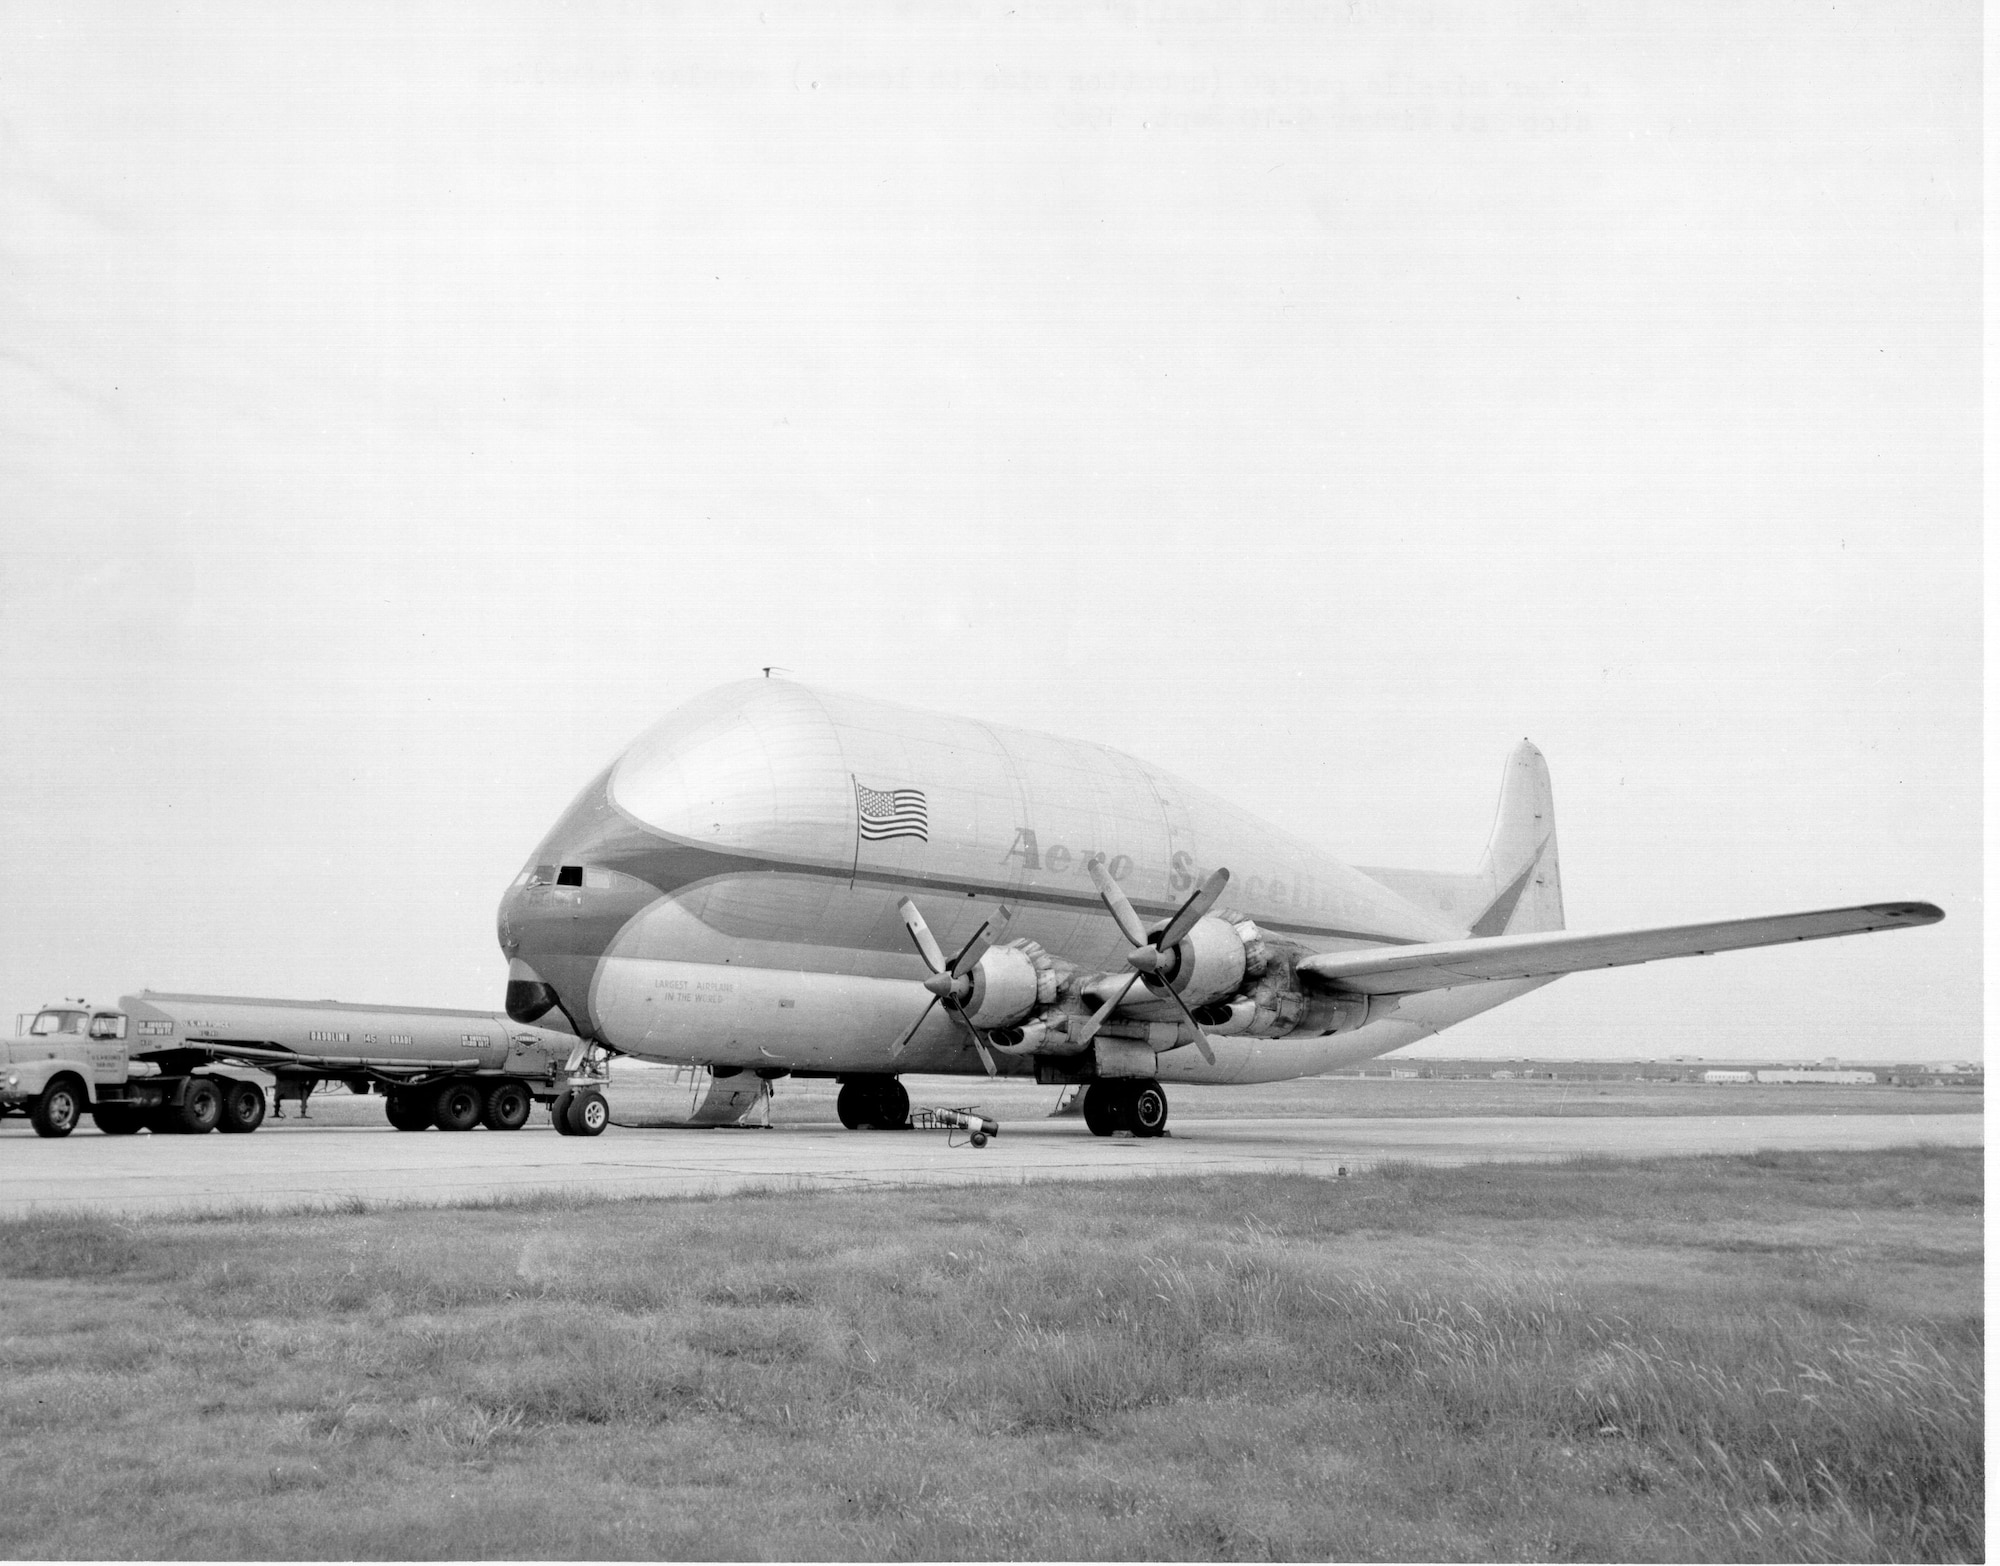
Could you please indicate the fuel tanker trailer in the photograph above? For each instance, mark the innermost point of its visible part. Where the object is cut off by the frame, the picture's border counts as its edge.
(198, 1063)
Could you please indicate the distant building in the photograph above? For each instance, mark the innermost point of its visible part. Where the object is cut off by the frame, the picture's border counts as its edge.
(1729, 1076)
(1404, 1072)
(1812, 1074)
(1503, 1076)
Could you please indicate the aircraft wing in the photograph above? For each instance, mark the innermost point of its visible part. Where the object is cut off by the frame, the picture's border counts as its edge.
(1437, 965)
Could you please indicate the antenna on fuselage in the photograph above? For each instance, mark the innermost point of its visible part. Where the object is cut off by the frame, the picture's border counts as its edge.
(774, 668)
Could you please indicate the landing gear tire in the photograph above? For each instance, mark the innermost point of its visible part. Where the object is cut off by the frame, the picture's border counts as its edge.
(1146, 1109)
(458, 1106)
(60, 1107)
(873, 1104)
(507, 1106)
(1104, 1108)
(118, 1119)
(199, 1111)
(408, 1112)
(588, 1113)
(559, 1112)
(243, 1108)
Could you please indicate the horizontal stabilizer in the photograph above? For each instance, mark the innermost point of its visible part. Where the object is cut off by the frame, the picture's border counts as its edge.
(1438, 965)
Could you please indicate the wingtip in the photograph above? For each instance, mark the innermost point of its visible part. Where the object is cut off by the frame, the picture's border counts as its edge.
(1910, 913)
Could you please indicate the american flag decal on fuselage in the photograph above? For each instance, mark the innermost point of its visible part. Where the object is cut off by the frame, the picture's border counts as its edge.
(892, 812)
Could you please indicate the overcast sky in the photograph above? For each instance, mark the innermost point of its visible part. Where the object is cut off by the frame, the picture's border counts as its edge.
(402, 406)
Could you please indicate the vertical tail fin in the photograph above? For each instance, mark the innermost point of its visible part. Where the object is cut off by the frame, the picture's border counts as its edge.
(1520, 866)
(1518, 885)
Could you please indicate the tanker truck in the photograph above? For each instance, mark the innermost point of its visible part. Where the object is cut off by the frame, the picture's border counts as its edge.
(199, 1063)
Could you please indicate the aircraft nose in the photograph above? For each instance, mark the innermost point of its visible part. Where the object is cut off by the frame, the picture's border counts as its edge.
(519, 924)
(529, 997)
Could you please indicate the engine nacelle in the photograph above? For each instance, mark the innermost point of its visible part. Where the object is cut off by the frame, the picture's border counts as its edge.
(1269, 1002)
(1009, 982)
(1211, 961)
(1046, 1033)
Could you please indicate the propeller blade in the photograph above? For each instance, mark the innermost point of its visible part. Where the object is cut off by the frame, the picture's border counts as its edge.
(978, 1041)
(897, 1048)
(1114, 899)
(974, 949)
(921, 933)
(1193, 910)
(1200, 1038)
(1086, 1030)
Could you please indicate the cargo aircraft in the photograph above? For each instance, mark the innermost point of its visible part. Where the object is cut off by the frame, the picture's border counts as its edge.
(777, 879)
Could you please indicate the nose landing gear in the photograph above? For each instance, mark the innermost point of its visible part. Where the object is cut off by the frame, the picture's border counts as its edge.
(1125, 1104)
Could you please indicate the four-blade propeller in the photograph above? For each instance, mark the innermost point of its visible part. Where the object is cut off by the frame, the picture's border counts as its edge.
(950, 982)
(1152, 958)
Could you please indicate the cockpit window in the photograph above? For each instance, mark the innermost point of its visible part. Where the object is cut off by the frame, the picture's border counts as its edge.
(58, 1022)
(570, 875)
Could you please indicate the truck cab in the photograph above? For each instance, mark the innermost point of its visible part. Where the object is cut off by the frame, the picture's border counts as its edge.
(74, 1050)
(73, 1059)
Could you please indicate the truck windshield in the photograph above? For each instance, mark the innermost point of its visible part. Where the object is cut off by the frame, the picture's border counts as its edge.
(58, 1022)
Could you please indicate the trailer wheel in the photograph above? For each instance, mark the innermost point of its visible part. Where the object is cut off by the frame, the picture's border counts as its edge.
(507, 1106)
(59, 1108)
(458, 1106)
(409, 1111)
(588, 1113)
(200, 1108)
(243, 1108)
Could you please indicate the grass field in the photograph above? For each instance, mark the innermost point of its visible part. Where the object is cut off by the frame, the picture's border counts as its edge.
(639, 1093)
(1777, 1357)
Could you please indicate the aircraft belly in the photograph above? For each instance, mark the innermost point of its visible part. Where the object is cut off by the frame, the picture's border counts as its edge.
(729, 1014)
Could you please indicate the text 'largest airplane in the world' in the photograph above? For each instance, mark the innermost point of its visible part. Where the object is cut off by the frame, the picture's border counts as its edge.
(784, 880)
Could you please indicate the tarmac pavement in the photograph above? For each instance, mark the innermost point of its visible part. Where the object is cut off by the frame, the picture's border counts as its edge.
(299, 1164)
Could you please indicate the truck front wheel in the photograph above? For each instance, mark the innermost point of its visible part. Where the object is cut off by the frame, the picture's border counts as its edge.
(242, 1107)
(59, 1108)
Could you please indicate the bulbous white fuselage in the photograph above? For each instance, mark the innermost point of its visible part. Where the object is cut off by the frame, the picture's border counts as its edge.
(726, 894)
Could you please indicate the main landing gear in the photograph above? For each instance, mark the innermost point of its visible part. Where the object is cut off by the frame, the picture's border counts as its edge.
(873, 1103)
(1137, 1105)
